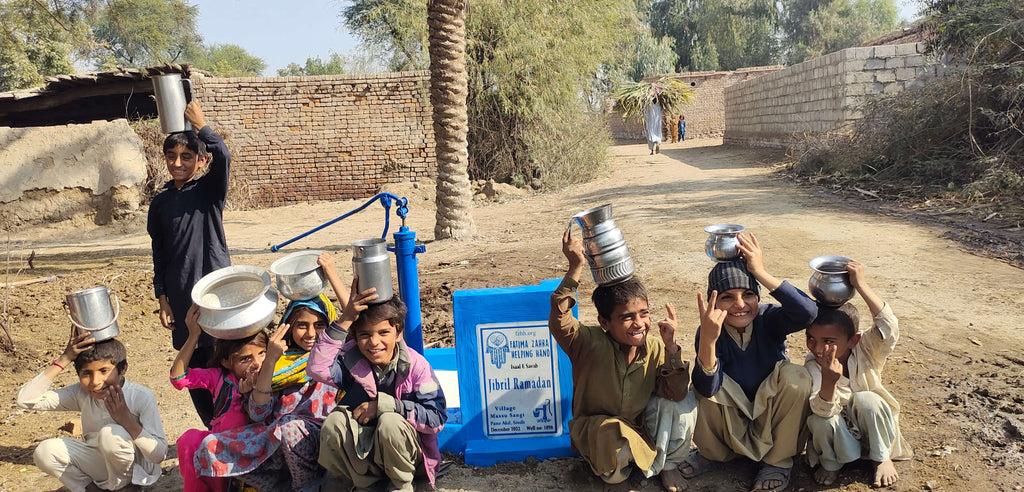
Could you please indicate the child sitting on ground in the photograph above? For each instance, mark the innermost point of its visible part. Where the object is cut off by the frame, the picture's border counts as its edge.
(386, 423)
(124, 439)
(853, 416)
(229, 377)
(752, 400)
(621, 378)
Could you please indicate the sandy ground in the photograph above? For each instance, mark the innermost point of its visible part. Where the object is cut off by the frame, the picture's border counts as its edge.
(957, 370)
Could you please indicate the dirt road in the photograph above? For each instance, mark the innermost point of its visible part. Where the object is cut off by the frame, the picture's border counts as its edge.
(957, 370)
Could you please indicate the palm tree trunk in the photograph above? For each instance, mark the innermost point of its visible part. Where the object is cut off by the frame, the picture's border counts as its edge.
(446, 20)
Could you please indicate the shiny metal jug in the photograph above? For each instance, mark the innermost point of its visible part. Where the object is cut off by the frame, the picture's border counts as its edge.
(371, 262)
(172, 94)
(830, 282)
(94, 310)
(723, 243)
(604, 246)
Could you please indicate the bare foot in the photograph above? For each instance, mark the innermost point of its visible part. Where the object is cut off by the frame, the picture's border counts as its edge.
(623, 486)
(672, 480)
(825, 477)
(885, 474)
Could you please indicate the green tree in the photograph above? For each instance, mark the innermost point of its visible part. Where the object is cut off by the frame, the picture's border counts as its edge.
(817, 27)
(718, 34)
(38, 39)
(139, 33)
(228, 60)
(315, 66)
(530, 65)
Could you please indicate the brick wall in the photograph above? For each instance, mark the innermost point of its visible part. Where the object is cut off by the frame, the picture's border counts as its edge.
(333, 137)
(705, 116)
(818, 95)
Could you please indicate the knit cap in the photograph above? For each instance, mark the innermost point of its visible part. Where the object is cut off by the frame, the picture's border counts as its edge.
(731, 275)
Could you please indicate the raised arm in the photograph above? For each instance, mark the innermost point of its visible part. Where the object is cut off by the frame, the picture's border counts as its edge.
(324, 353)
(216, 178)
(36, 394)
(561, 323)
(326, 261)
(754, 257)
(707, 376)
(859, 281)
(180, 365)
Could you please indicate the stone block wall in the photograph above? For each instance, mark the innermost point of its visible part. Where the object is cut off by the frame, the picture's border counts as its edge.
(334, 137)
(819, 95)
(705, 116)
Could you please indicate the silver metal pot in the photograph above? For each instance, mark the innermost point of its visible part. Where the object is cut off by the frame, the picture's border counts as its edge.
(94, 310)
(609, 256)
(588, 219)
(298, 275)
(614, 273)
(830, 282)
(235, 302)
(172, 94)
(606, 240)
(722, 243)
(371, 262)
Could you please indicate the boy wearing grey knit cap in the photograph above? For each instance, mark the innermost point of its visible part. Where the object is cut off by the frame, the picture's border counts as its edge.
(752, 401)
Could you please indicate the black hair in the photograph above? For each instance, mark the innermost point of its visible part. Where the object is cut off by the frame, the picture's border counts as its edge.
(393, 310)
(290, 339)
(606, 297)
(187, 138)
(222, 349)
(845, 317)
(111, 350)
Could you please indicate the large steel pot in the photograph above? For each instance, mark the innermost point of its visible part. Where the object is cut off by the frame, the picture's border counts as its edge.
(830, 282)
(371, 262)
(722, 243)
(94, 310)
(614, 273)
(604, 245)
(235, 301)
(299, 276)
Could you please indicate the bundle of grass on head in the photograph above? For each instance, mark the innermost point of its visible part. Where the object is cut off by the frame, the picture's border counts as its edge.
(633, 98)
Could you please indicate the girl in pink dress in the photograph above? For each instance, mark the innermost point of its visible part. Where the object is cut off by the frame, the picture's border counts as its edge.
(229, 378)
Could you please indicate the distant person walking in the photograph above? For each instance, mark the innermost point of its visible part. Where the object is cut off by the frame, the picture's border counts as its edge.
(682, 128)
(652, 119)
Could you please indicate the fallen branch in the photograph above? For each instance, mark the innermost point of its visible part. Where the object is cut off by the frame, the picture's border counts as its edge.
(30, 281)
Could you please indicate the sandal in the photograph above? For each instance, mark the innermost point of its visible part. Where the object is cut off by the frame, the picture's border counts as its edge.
(698, 464)
(772, 473)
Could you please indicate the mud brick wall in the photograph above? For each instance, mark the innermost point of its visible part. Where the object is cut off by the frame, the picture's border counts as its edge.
(705, 115)
(819, 95)
(336, 137)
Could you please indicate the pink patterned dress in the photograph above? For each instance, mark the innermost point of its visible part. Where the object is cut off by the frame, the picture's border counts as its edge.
(279, 450)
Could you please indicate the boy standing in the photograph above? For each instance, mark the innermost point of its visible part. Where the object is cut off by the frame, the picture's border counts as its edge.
(186, 226)
(124, 439)
(624, 382)
(852, 414)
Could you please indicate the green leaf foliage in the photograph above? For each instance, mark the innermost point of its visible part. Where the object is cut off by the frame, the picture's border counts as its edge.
(334, 65)
(814, 27)
(140, 33)
(633, 98)
(38, 39)
(228, 60)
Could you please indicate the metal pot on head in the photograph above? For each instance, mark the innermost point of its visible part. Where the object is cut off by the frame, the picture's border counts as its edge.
(722, 243)
(830, 282)
(94, 310)
(299, 276)
(172, 94)
(371, 262)
(235, 302)
(604, 246)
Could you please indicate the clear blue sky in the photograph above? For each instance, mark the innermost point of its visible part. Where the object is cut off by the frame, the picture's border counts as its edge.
(282, 32)
(278, 31)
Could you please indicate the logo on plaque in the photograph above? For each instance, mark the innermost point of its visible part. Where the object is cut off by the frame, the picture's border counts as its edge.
(518, 379)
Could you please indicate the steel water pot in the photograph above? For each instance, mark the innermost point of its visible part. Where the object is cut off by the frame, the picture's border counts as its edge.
(830, 282)
(722, 243)
(371, 262)
(299, 276)
(172, 94)
(94, 310)
(235, 301)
